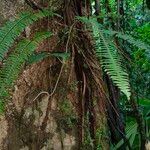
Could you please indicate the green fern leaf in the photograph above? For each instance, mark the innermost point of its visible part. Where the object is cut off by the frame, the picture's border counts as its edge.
(129, 39)
(12, 66)
(110, 60)
(12, 29)
(37, 57)
(108, 56)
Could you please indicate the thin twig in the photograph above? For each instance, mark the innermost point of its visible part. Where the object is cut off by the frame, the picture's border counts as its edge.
(33, 5)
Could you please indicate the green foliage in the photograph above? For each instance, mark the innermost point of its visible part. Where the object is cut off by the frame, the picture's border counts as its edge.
(63, 57)
(34, 58)
(139, 50)
(145, 109)
(2, 106)
(105, 50)
(12, 66)
(67, 116)
(140, 68)
(129, 39)
(12, 29)
(40, 56)
(144, 32)
(109, 57)
(131, 132)
(110, 47)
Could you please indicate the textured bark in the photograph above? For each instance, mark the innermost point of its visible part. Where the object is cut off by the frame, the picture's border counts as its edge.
(74, 117)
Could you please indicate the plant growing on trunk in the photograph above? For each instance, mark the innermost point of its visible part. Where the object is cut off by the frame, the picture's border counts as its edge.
(94, 52)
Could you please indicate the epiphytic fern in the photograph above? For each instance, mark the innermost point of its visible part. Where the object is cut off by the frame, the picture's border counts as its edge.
(12, 29)
(109, 57)
(129, 39)
(12, 66)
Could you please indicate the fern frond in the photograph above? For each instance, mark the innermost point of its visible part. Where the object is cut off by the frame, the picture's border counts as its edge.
(109, 57)
(129, 39)
(12, 66)
(12, 29)
(34, 58)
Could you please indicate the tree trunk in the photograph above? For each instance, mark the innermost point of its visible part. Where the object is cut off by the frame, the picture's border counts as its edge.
(74, 116)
